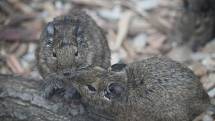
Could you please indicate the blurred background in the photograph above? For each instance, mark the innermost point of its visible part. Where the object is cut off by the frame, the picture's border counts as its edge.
(135, 29)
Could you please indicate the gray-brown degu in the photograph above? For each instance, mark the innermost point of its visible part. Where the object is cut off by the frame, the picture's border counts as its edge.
(72, 41)
(155, 89)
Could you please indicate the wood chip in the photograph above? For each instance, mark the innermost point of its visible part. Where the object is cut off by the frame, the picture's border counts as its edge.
(14, 64)
(123, 28)
(156, 41)
(199, 69)
(93, 3)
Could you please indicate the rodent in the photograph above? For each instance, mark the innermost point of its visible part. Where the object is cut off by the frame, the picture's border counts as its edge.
(154, 89)
(70, 42)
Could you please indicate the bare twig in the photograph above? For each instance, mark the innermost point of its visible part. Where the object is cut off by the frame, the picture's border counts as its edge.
(123, 28)
(14, 64)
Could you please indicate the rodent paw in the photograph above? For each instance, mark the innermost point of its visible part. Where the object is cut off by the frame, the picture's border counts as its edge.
(51, 87)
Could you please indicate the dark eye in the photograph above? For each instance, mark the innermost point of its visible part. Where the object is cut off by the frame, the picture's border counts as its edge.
(54, 54)
(76, 53)
(114, 90)
(91, 88)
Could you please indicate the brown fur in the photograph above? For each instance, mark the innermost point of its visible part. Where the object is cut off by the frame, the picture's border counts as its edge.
(156, 89)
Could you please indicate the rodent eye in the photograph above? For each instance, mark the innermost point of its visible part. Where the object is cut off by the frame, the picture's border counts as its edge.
(91, 88)
(76, 53)
(54, 54)
(75, 49)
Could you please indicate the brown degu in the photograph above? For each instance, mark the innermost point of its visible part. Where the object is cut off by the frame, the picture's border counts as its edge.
(70, 42)
(155, 89)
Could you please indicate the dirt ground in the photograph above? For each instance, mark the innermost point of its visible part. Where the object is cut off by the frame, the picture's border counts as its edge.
(135, 29)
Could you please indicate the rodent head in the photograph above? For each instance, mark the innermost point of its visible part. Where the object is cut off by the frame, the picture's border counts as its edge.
(63, 35)
(102, 90)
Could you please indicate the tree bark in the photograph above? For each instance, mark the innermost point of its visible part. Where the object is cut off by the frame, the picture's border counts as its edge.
(20, 100)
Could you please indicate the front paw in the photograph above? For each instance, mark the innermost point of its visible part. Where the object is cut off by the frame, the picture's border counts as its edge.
(51, 86)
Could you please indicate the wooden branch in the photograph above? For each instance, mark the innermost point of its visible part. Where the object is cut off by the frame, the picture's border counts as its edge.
(20, 100)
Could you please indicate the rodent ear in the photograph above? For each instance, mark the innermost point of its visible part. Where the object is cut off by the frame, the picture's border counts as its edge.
(118, 67)
(114, 90)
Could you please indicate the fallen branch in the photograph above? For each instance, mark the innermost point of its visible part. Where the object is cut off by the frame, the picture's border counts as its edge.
(20, 100)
